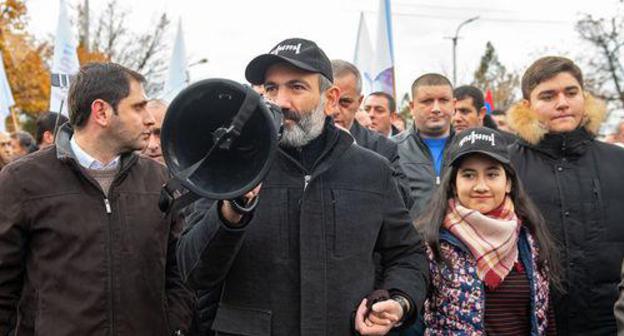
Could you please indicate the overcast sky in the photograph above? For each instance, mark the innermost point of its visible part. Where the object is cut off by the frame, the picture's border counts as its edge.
(230, 33)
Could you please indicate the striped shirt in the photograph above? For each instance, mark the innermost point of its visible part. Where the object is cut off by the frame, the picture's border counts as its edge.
(508, 307)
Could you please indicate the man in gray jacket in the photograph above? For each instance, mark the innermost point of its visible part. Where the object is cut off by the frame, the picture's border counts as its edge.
(422, 147)
(302, 262)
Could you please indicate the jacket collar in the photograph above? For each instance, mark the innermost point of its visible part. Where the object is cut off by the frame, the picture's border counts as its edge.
(65, 153)
(570, 144)
(336, 142)
(530, 128)
(361, 134)
(415, 132)
(356, 130)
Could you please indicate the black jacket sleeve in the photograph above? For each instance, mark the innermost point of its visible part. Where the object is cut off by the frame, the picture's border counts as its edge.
(619, 307)
(13, 244)
(400, 177)
(207, 249)
(402, 251)
(180, 299)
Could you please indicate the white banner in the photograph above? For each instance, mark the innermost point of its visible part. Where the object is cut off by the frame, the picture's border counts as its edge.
(177, 76)
(363, 58)
(65, 62)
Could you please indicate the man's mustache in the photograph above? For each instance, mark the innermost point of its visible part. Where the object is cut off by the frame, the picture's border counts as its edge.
(290, 114)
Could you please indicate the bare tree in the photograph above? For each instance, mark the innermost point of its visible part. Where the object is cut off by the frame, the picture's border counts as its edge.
(144, 52)
(605, 77)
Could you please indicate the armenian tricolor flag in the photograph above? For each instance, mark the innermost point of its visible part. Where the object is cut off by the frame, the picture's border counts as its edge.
(489, 101)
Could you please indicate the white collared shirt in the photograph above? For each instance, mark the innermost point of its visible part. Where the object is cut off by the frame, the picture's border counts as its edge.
(88, 161)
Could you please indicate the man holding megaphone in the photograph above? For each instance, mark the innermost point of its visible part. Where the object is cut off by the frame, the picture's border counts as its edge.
(301, 262)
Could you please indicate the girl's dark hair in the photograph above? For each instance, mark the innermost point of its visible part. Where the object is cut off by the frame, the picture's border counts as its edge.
(429, 223)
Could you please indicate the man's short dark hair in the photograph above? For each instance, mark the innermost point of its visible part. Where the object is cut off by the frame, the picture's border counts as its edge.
(47, 122)
(546, 68)
(389, 99)
(107, 81)
(430, 79)
(468, 91)
(25, 140)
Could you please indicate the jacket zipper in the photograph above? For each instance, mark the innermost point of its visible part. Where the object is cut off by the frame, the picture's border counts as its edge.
(109, 251)
(109, 211)
(107, 206)
(306, 181)
(438, 180)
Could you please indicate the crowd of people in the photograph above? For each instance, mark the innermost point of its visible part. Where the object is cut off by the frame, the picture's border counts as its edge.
(463, 222)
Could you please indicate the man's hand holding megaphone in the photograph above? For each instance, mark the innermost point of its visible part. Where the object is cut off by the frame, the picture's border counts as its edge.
(231, 209)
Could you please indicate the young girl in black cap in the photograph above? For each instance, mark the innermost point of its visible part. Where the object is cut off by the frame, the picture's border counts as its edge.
(491, 259)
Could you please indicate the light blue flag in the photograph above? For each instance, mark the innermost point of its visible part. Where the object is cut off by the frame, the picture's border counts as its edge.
(383, 63)
(6, 96)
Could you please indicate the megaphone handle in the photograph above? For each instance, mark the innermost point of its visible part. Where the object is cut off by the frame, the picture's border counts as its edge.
(167, 194)
(248, 106)
(244, 112)
(242, 210)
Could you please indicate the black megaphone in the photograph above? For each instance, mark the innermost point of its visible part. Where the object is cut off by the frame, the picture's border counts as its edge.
(218, 139)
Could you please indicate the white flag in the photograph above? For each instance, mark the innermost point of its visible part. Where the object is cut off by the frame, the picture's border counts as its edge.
(383, 64)
(65, 62)
(177, 76)
(363, 58)
(6, 97)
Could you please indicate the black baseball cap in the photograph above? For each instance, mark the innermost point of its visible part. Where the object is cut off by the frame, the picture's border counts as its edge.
(300, 53)
(479, 140)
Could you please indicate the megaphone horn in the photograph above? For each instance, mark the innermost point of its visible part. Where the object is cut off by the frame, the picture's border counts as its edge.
(218, 139)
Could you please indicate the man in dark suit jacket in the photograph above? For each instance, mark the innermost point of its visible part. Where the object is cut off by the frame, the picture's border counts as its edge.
(348, 79)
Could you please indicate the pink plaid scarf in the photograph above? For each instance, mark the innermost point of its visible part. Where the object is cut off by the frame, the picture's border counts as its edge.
(492, 238)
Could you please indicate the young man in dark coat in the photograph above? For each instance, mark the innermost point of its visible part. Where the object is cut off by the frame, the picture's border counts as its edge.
(84, 249)
(578, 184)
(302, 262)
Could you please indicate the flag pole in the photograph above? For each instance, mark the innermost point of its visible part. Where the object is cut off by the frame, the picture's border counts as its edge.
(14, 117)
(58, 117)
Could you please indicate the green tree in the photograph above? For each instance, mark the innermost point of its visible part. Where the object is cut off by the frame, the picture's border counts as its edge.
(404, 109)
(492, 74)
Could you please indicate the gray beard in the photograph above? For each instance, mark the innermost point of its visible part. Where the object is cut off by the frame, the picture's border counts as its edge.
(306, 129)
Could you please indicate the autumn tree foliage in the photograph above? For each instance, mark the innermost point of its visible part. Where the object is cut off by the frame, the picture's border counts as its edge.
(24, 61)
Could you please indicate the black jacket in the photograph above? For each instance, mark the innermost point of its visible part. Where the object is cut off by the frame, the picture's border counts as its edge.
(416, 163)
(374, 141)
(304, 261)
(578, 184)
(619, 307)
(386, 148)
